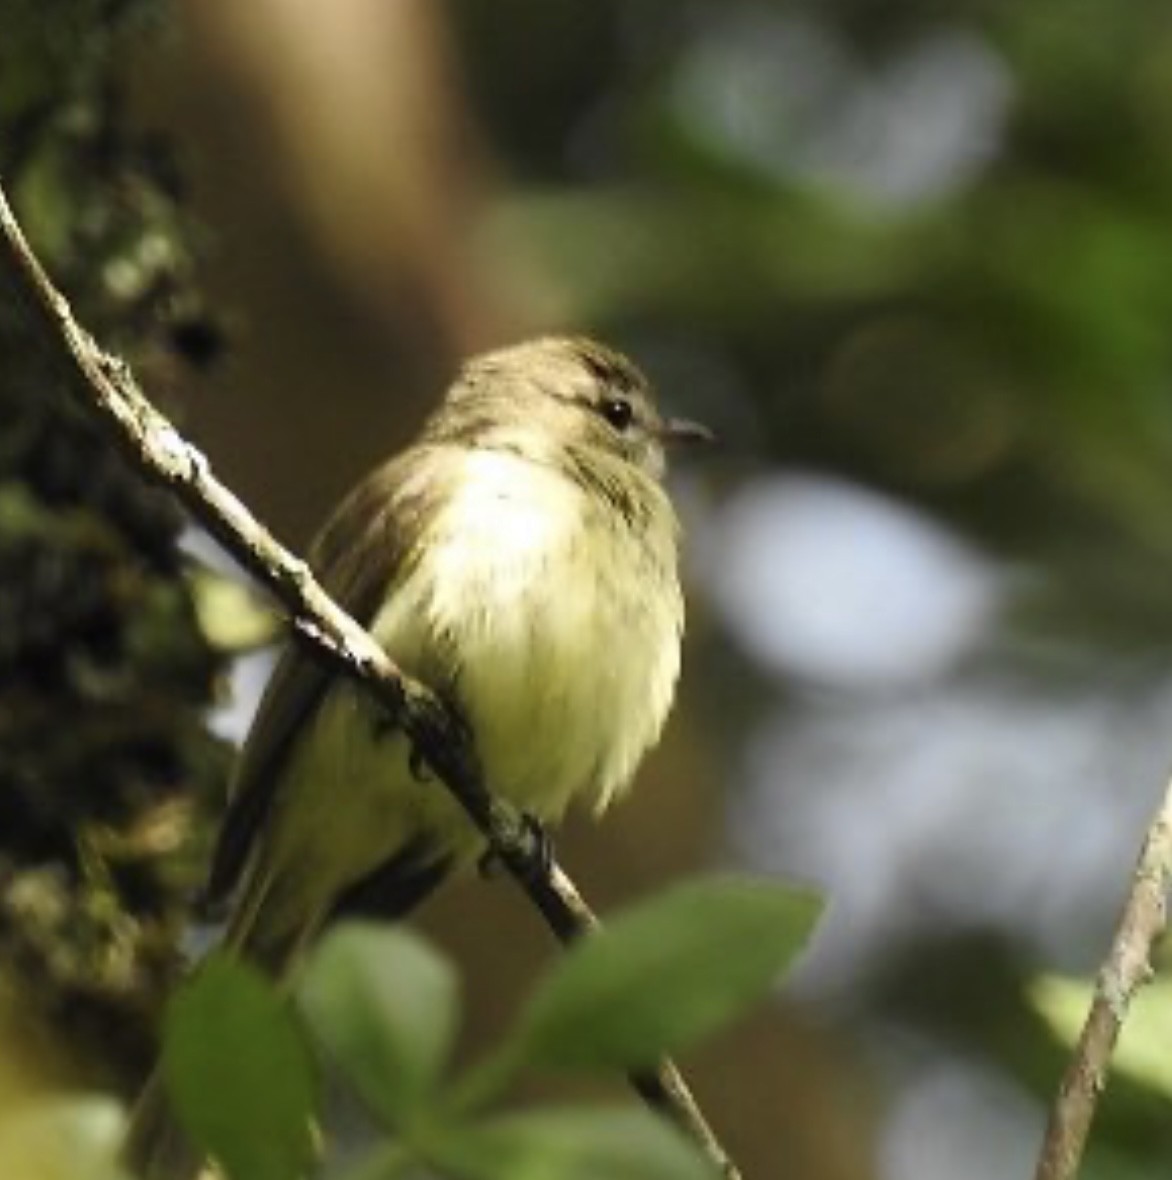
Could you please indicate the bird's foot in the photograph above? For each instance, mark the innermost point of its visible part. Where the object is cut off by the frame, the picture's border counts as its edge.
(385, 726)
(440, 727)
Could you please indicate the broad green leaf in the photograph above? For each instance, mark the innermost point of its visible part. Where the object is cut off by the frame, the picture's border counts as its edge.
(383, 1002)
(665, 973)
(575, 1143)
(1144, 1049)
(240, 1073)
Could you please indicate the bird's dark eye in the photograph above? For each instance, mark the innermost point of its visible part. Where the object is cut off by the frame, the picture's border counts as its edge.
(617, 411)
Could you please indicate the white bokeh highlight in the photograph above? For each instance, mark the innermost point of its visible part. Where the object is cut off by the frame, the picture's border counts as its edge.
(785, 94)
(826, 581)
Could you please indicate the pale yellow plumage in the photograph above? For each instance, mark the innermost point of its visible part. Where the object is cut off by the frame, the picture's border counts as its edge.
(565, 679)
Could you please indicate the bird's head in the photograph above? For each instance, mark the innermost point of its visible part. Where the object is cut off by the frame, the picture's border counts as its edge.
(562, 394)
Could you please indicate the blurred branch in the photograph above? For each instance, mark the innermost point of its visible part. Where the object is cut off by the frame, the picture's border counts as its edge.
(157, 449)
(1126, 970)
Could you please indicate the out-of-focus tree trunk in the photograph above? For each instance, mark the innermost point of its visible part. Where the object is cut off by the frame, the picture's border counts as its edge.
(105, 760)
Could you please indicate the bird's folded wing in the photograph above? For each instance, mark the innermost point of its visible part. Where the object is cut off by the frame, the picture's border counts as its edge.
(366, 547)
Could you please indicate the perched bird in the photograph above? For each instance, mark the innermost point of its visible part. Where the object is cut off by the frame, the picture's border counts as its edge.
(520, 559)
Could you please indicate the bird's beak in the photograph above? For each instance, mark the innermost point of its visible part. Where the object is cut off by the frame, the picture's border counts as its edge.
(681, 432)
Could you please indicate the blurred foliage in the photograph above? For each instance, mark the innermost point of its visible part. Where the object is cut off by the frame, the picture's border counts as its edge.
(973, 315)
(232, 616)
(927, 246)
(104, 673)
(384, 1007)
(1132, 1122)
(63, 1138)
(1139, 1055)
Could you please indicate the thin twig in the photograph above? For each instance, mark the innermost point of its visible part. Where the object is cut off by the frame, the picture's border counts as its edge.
(106, 385)
(1126, 969)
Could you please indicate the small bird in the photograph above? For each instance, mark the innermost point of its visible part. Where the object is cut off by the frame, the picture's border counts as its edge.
(520, 559)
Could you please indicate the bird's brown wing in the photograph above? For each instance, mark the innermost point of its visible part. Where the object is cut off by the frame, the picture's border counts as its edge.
(368, 545)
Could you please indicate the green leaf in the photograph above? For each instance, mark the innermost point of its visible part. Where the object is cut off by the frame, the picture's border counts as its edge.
(383, 1002)
(1142, 1052)
(665, 973)
(573, 1144)
(240, 1073)
(231, 616)
(388, 1161)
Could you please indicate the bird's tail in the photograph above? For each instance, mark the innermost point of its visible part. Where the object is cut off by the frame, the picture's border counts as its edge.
(274, 935)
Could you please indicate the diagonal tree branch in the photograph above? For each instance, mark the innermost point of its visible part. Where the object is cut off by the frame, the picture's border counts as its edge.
(106, 385)
(1126, 969)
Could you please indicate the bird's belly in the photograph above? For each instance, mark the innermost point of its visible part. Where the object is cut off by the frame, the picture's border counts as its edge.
(559, 633)
(558, 642)
(562, 697)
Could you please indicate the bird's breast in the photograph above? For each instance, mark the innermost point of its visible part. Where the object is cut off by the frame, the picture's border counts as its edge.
(554, 622)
